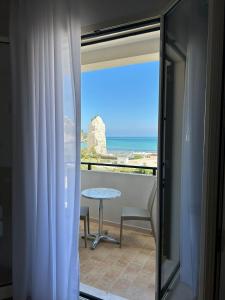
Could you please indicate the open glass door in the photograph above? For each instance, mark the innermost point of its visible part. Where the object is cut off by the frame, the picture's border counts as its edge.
(181, 123)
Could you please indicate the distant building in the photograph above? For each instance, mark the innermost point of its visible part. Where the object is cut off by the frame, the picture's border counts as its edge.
(96, 139)
(122, 160)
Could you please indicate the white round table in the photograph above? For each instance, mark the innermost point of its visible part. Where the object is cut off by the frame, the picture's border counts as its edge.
(101, 194)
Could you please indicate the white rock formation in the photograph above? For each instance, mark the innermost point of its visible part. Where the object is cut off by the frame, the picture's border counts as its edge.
(96, 138)
(69, 140)
(69, 131)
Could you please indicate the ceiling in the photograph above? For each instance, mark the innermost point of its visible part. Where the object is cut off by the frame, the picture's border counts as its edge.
(122, 51)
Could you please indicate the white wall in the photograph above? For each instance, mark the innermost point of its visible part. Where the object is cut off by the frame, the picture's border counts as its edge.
(135, 190)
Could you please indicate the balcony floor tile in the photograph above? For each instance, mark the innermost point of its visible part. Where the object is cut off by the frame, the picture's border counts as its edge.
(127, 272)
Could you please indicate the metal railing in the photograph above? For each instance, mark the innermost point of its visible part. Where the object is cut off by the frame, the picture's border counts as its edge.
(90, 164)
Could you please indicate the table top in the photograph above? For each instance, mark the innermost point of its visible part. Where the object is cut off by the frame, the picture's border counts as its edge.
(101, 193)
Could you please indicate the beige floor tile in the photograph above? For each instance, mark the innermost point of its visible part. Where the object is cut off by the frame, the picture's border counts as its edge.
(120, 287)
(133, 268)
(149, 266)
(128, 275)
(136, 293)
(128, 272)
(140, 259)
(144, 280)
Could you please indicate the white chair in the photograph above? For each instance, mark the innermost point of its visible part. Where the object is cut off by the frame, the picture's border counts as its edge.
(134, 213)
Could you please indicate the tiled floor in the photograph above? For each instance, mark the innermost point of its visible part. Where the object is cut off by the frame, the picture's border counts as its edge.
(128, 272)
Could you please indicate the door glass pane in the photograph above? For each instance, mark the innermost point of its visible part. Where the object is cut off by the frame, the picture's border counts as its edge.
(183, 98)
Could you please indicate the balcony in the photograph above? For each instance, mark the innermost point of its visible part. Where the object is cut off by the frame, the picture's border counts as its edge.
(109, 271)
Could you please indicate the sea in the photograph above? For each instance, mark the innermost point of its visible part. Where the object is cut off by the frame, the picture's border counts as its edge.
(130, 144)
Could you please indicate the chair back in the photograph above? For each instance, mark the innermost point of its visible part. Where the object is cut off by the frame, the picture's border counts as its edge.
(152, 207)
(154, 219)
(152, 196)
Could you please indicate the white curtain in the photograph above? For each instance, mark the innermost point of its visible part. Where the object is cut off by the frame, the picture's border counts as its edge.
(45, 41)
(193, 145)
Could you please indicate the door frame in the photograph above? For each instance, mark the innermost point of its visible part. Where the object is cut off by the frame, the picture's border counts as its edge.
(161, 164)
(105, 34)
(214, 153)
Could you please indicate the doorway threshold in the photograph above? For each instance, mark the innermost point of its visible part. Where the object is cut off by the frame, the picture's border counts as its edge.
(98, 294)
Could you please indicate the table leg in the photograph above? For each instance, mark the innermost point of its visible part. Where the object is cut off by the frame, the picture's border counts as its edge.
(100, 217)
(100, 236)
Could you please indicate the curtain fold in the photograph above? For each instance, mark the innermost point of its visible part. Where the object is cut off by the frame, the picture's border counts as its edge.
(193, 146)
(45, 39)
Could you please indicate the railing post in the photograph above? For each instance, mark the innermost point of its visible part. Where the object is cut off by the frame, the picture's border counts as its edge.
(154, 172)
(89, 167)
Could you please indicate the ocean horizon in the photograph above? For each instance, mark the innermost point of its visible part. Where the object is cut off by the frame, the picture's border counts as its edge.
(130, 144)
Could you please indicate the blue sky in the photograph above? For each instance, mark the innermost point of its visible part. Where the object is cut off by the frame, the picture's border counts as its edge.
(125, 97)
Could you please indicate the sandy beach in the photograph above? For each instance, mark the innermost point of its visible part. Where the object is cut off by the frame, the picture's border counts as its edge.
(149, 160)
(134, 158)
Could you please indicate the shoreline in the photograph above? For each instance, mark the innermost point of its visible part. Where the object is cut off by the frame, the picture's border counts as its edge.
(134, 158)
(129, 145)
(149, 152)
